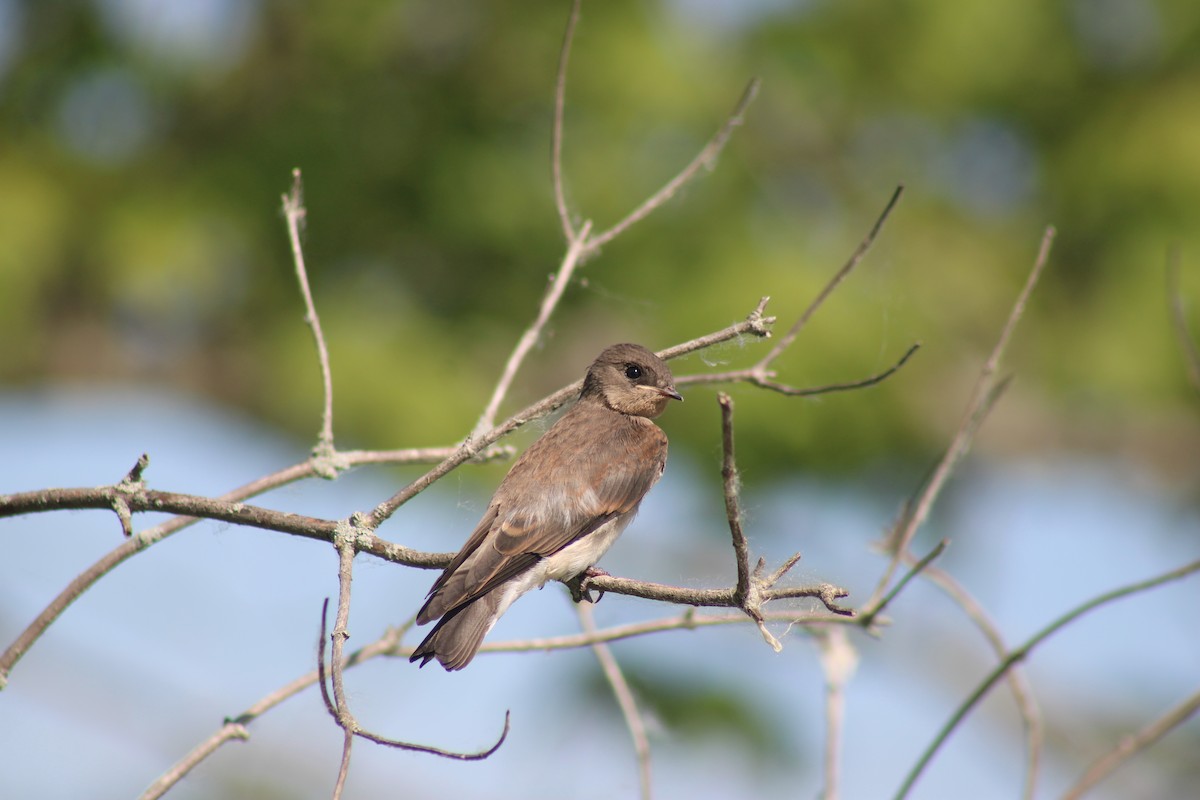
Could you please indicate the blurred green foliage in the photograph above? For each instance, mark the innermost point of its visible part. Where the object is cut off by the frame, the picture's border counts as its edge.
(690, 709)
(144, 155)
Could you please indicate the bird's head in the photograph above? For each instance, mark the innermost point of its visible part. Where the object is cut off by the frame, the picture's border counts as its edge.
(630, 379)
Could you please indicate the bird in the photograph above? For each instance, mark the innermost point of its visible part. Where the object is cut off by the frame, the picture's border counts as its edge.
(561, 506)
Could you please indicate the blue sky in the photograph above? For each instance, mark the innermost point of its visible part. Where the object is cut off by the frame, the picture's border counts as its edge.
(150, 661)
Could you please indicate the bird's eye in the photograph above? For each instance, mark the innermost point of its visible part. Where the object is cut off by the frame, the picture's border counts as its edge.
(633, 371)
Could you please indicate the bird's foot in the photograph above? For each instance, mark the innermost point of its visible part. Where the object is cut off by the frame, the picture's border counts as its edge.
(580, 590)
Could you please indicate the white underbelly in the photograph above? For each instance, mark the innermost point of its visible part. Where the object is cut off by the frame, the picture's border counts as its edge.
(566, 563)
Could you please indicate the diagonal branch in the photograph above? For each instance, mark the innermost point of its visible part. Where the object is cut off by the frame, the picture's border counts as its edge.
(705, 159)
(859, 253)
(756, 376)
(1131, 745)
(529, 338)
(982, 396)
(1021, 653)
(1018, 683)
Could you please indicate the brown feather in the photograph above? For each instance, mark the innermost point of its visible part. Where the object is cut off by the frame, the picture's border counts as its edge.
(590, 469)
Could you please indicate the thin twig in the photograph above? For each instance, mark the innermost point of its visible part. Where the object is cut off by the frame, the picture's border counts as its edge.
(26, 502)
(865, 245)
(556, 136)
(1129, 746)
(757, 376)
(235, 728)
(1018, 683)
(387, 645)
(687, 620)
(838, 663)
(1021, 653)
(868, 618)
(345, 719)
(1191, 354)
(981, 396)
(529, 338)
(733, 513)
(748, 591)
(230, 731)
(295, 214)
(705, 159)
(624, 695)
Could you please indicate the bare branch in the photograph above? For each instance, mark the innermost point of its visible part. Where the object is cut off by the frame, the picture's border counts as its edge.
(230, 731)
(27, 502)
(340, 707)
(624, 695)
(295, 214)
(868, 618)
(839, 660)
(786, 341)
(705, 159)
(556, 137)
(386, 645)
(732, 512)
(982, 395)
(827, 593)
(1132, 745)
(1022, 652)
(528, 339)
(1018, 683)
(235, 727)
(687, 620)
(757, 376)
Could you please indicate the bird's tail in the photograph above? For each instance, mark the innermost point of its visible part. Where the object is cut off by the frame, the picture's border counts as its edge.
(457, 636)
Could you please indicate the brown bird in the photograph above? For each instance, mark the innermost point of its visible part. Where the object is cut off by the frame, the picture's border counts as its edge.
(560, 507)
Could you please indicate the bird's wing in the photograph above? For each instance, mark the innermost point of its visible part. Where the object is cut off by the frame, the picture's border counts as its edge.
(550, 505)
(545, 504)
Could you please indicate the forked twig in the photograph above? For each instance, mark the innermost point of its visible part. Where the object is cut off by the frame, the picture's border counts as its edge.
(868, 618)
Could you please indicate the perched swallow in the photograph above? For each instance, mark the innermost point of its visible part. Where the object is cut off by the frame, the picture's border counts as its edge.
(560, 507)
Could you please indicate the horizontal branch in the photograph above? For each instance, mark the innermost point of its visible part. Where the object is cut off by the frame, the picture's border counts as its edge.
(150, 500)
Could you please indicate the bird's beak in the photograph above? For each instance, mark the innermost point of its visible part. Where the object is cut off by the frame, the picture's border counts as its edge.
(669, 391)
